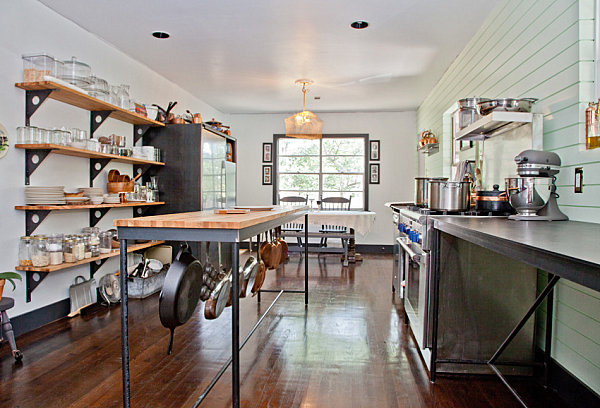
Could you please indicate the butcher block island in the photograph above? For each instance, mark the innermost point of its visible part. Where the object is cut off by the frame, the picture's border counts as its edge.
(206, 226)
(210, 220)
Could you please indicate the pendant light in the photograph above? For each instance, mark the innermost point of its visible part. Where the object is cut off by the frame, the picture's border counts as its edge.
(305, 124)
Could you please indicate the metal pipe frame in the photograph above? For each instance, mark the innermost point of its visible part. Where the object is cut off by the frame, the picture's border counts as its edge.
(204, 235)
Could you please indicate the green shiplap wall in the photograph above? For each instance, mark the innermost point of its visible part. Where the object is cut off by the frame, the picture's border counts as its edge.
(542, 49)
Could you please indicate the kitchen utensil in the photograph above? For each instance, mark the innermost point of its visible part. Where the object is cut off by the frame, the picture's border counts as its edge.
(537, 163)
(284, 247)
(249, 276)
(449, 195)
(220, 295)
(260, 271)
(119, 187)
(494, 201)
(137, 177)
(506, 104)
(467, 111)
(265, 252)
(81, 293)
(276, 250)
(180, 292)
(422, 189)
(110, 288)
(523, 195)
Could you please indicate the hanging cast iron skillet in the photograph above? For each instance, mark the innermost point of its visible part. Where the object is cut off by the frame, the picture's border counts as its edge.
(180, 292)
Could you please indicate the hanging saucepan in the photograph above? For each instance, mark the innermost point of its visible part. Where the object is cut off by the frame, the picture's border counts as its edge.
(220, 295)
(249, 276)
(180, 292)
(276, 250)
(260, 272)
(284, 247)
(265, 251)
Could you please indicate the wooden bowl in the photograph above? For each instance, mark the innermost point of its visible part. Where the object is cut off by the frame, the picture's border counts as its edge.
(124, 187)
(80, 194)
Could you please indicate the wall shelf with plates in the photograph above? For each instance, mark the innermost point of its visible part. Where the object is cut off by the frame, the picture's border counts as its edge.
(35, 95)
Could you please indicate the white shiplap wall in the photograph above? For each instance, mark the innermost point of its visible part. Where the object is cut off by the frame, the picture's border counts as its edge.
(542, 49)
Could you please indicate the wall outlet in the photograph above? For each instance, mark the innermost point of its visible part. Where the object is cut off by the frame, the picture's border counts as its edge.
(579, 179)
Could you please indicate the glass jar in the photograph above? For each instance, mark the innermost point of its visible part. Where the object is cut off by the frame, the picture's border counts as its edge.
(22, 135)
(105, 242)
(45, 136)
(69, 249)
(55, 248)
(80, 247)
(87, 252)
(25, 251)
(32, 134)
(57, 137)
(39, 252)
(95, 249)
(92, 232)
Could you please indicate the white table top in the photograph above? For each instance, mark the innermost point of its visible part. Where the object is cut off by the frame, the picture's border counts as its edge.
(360, 221)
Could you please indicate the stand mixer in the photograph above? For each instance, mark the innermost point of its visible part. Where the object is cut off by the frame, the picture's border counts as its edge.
(534, 167)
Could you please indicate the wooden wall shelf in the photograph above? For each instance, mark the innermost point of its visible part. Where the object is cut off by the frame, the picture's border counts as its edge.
(72, 151)
(81, 100)
(113, 253)
(84, 206)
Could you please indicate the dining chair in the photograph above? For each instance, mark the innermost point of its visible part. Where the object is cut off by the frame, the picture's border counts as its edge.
(334, 204)
(293, 227)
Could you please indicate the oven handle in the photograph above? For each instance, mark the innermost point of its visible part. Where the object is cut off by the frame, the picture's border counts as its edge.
(413, 255)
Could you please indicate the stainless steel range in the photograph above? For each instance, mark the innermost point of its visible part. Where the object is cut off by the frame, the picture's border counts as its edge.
(413, 266)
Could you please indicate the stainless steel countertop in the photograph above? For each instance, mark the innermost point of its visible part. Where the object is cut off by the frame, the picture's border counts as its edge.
(569, 249)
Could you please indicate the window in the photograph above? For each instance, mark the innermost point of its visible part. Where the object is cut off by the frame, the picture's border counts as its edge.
(333, 166)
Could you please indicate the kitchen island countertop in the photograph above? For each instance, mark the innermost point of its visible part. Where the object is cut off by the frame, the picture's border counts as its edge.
(570, 249)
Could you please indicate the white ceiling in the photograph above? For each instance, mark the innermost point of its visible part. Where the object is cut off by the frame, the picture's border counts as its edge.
(243, 56)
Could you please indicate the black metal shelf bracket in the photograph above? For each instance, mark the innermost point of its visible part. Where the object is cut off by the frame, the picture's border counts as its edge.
(33, 100)
(144, 211)
(33, 158)
(143, 167)
(97, 118)
(139, 131)
(96, 167)
(96, 215)
(32, 280)
(95, 266)
(33, 218)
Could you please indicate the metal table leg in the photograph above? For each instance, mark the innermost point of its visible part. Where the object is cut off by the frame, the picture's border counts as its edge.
(547, 291)
(124, 324)
(306, 259)
(235, 324)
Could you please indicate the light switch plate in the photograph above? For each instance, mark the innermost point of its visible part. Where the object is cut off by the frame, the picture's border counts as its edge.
(579, 179)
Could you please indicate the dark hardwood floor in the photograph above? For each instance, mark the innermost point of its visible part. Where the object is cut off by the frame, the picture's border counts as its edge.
(349, 348)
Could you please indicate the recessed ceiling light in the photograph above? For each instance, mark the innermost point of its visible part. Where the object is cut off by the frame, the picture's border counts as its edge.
(359, 25)
(161, 34)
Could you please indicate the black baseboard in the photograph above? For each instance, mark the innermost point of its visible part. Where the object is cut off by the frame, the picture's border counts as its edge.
(37, 318)
(374, 249)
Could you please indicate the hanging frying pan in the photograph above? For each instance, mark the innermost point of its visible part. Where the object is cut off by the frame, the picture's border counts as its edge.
(180, 292)
(220, 295)
(249, 276)
(260, 272)
(284, 246)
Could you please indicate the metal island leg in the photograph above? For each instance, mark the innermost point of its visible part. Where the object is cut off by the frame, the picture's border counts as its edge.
(124, 324)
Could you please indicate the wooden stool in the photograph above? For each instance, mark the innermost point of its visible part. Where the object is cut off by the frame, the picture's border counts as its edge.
(5, 304)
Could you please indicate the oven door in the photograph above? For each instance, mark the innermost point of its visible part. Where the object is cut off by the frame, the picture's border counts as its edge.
(415, 266)
(397, 276)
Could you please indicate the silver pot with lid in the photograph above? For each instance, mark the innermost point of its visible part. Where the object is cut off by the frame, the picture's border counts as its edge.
(468, 112)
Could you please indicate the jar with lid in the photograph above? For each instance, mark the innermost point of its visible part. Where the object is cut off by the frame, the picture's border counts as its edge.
(39, 251)
(80, 247)
(55, 248)
(92, 232)
(94, 249)
(45, 136)
(69, 250)
(25, 251)
(105, 242)
(87, 252)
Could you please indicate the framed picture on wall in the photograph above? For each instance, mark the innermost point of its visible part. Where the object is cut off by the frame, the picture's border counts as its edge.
(374, 173)
(267, 153)
(374, 150)
(465, 144)
(267, 175)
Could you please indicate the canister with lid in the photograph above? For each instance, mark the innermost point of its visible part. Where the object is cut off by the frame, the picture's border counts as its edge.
(39, 251)
(25, 251)
(69, 250)
(55, 248)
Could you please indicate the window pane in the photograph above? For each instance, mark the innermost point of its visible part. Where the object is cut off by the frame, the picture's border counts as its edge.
(344, 164)
(291, 146)
(342, 182)
(299, 164)
(298, 182)
(335, 146)
(356, 198)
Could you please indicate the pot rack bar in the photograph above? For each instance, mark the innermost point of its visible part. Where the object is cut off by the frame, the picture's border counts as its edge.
(200, 227)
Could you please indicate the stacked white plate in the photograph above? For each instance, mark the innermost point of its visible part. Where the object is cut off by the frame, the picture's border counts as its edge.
(44, 195)
(92, 191)
(112, 199)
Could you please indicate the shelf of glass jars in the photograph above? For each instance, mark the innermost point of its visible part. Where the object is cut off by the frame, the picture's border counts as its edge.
(73, 151)
(35, 275)
(429, 148)
(52, 90)
(65, 265)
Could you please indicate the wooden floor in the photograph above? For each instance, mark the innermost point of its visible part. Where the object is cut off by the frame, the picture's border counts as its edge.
(349, 348)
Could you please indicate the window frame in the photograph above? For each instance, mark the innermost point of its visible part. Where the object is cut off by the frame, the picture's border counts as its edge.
(364, 136)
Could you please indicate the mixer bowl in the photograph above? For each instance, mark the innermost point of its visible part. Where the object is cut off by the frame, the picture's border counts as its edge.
(523, 196)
